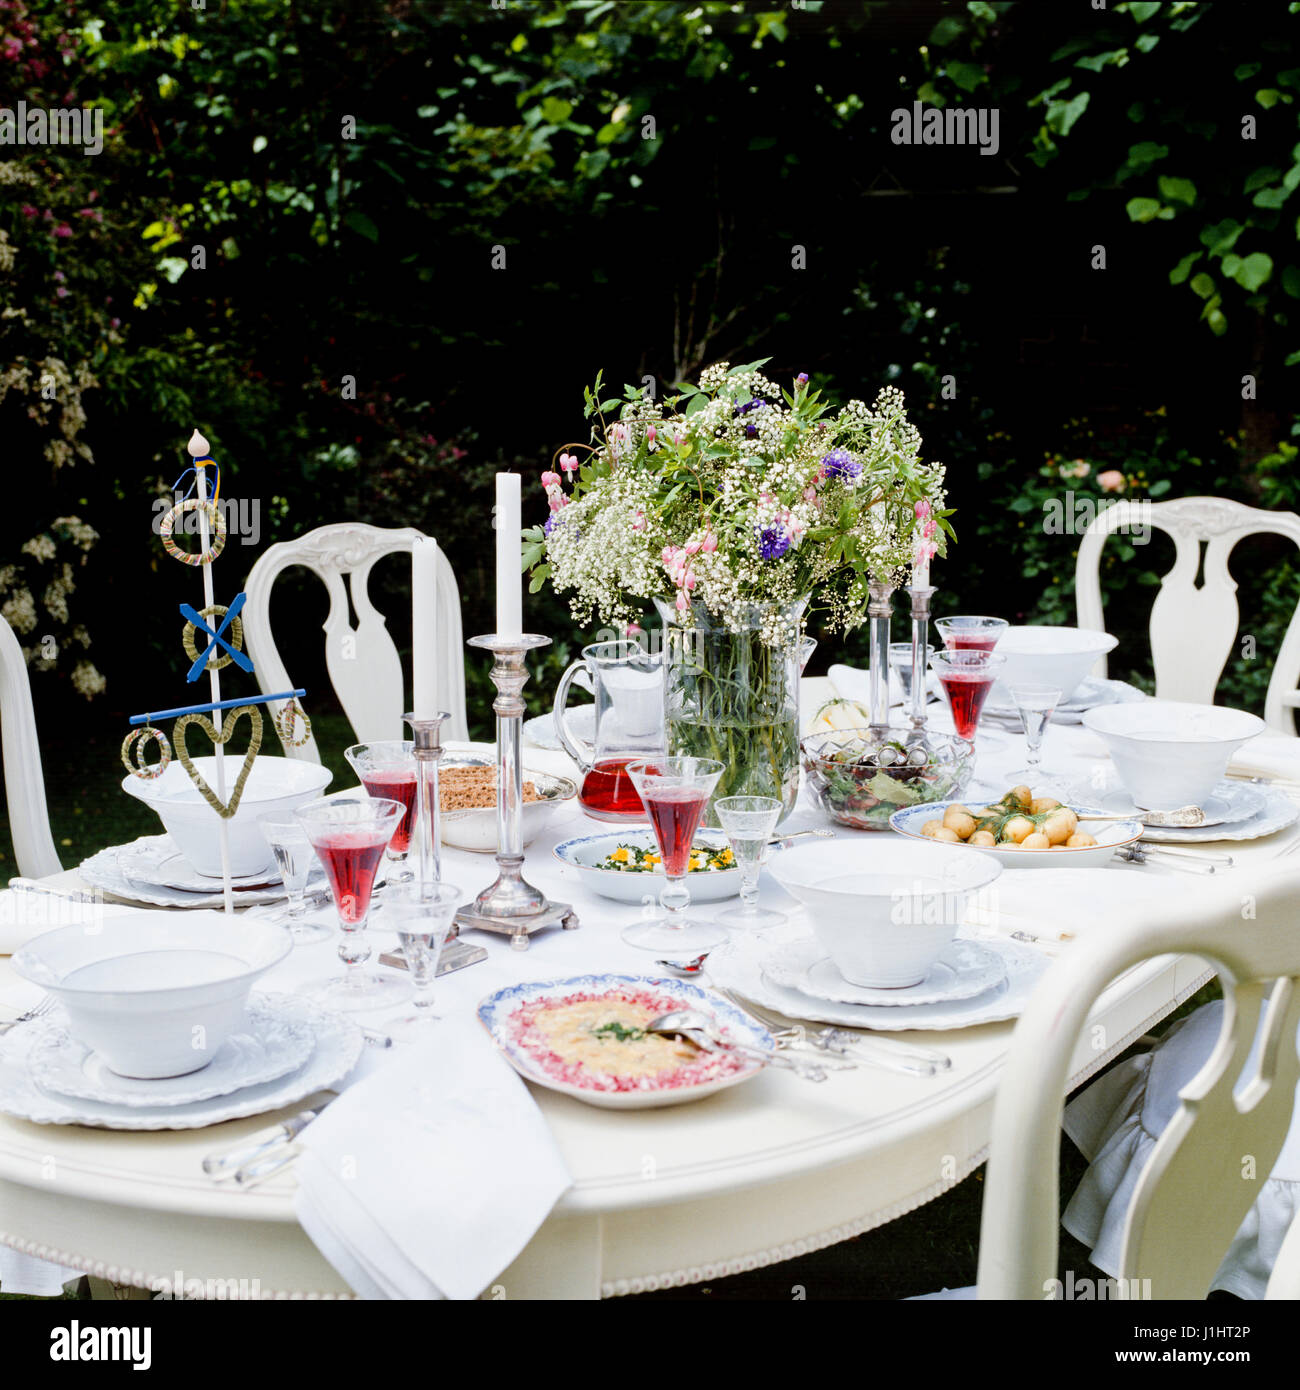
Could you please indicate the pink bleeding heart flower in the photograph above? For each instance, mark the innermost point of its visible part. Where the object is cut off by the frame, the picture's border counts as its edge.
(693, 547)
(550, 479)
(922, 509)
(688, 579)
(556, 501)
(638, 522)
(568, 462)
(810, 494)
(666, 554)
(709, 544)
(928, 529)
(683, 604)
(632, 629)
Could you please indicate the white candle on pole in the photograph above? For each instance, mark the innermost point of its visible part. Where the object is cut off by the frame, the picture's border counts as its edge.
(510, 584)
(424, 627)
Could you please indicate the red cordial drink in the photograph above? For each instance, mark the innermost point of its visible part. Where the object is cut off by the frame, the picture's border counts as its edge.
(351, 860)
(966, 696)
(675, 813)
(970, 643)
(608, 794)
(399, 785)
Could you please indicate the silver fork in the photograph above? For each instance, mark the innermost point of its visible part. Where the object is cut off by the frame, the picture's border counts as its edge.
(36, 1011)
(895, 1056)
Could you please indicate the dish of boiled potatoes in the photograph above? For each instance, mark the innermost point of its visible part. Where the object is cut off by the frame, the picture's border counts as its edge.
(1019, 822)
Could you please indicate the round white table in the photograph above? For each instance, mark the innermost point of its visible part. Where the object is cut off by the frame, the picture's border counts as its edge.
(754, 1175)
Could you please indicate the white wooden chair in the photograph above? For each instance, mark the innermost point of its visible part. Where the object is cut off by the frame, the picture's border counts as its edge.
(29, 818)
(363, 663)
(1197, 1187)
(1193, 628)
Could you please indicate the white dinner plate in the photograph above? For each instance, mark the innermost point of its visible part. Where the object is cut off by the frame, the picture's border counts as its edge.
(338, 1045)
(738, 964)
(276, 1039)
(964, 968)
(495, 1013)
(1229, 803)
(131, 872)
(1276, 812)
(585, 853)
(1109, 836)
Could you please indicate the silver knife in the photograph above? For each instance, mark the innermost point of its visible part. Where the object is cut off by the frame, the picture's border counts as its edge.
(220, 1166)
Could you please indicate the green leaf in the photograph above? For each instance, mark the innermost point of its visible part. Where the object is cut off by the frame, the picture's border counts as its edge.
(609, 132)
(1221, 237)
(361, 224)
(1146, 42)
(1147, 152)
(1218, 323)
(1061, 115)
(1180, 272)
(967, 76)
(1177, 190)
(1292, 359)
(1096, 61)
(1271, 197)
(1142, 10)
(1261, 178)
(1246, 71)
(1254, 271)
(1291, 281)
(948, 29)
(1202, 285)
(1268, 97)
(1142, 209)
(555, 110)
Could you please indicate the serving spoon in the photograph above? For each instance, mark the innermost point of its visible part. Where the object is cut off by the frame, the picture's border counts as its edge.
(1181, 818)
(699, 1029)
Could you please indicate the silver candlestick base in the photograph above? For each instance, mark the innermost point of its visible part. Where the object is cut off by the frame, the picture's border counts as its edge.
(512, 906)
(921, 596)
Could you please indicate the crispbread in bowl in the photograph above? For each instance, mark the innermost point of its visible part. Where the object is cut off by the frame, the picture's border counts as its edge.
(475, 828)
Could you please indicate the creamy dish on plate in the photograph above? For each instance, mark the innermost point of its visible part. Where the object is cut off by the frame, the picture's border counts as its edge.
(598, 1042)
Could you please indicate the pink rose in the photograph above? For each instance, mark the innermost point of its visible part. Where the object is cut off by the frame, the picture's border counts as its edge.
(1112, 480)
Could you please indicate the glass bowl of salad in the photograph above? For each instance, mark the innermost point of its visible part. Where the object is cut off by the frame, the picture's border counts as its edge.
(860, 777)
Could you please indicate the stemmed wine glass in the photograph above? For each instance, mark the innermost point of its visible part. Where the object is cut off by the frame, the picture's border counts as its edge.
(349, 835)
(294, 858)
(674, 792)
(1036, 705)
(968, 632)
(966, 676)
(900, 662)
(421, 915)
(387, 769)
(749, 822)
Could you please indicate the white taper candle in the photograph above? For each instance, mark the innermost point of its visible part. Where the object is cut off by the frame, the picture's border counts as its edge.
(510, 583)
(424, 627)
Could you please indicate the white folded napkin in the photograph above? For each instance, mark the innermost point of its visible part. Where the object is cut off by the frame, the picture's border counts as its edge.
(24, 915)
(1269, 755)
(1058, 904)
(428, 1178)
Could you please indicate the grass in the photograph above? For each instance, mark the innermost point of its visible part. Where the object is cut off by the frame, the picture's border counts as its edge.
(930, 1248)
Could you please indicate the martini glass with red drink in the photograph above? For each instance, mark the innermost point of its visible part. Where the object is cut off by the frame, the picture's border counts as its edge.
(967, 676)
(674, 792)
(350, 835)
(386, 769)
(971, 634)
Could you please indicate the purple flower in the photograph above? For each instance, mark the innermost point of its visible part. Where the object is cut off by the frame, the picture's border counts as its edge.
(839, 463)
(772, 542)
(758, 403)
(802, 378)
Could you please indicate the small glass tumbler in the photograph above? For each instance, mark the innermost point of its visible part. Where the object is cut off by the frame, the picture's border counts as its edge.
(900, 663)
(1036, 705)
(421, 915)
(749, 822)
(295, 858)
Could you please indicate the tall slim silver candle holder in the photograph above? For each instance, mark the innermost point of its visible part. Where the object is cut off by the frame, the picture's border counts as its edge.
(428, 754)
(921, 596)
(511, 905)
(879, 609)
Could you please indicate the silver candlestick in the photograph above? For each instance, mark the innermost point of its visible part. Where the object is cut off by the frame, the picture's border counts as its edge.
(428, 754)
(921, 596)
(512, 905)
(878, 614)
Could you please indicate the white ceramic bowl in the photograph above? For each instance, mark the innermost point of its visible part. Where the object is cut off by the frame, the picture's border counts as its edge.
(886, 910)
(154, 994)
(1055, 656)
(476, 829)
(274, 784)
(1169, 754)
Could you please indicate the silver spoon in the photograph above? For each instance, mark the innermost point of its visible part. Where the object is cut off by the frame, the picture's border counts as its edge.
(1181, 818)
(700, 1029)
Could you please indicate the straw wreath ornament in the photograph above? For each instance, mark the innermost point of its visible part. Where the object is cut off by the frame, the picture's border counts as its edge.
(217, 541)
(134, 743)
(228, 809)
(286, 717)
(215, 662)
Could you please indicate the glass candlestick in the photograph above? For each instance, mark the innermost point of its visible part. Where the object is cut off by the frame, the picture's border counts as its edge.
(879, 611)
(428, 833)
(921, 596)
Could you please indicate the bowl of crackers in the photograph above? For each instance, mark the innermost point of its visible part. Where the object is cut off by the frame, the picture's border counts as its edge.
(467, 798)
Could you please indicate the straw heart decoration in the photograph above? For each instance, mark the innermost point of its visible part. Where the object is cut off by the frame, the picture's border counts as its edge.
(228, 728)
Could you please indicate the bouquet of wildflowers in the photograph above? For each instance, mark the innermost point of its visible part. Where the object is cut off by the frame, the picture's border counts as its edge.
(734, 493)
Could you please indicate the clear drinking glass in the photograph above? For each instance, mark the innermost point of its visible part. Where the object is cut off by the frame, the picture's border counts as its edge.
(966, 676)
(350, 835)
(294, 857)
(386, 769)
(749, 822)
(1036, 704)
(421, 915)
(900, 663)
(674, 792)
(968, 632)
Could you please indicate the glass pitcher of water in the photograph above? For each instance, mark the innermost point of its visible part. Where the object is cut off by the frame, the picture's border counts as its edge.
(628, 724)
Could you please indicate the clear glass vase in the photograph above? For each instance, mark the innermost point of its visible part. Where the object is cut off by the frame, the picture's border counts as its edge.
(734, 696)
